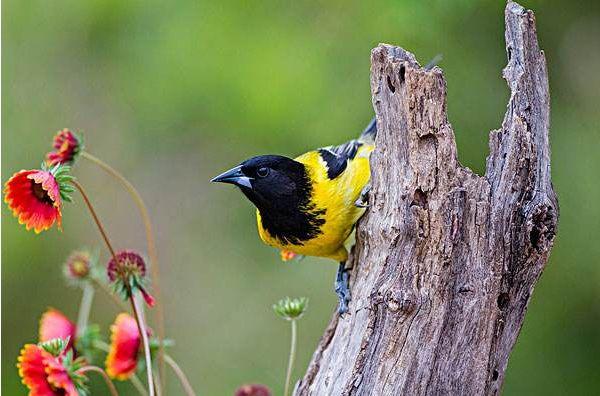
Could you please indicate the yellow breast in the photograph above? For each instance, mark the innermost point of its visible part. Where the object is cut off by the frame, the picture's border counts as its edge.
(337, 197)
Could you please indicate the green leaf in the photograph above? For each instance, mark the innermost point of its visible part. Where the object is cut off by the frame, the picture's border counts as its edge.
(55, 346)
(68, 188)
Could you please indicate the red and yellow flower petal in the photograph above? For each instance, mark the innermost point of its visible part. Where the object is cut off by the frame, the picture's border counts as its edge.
(58, 377)
(33, 372)
(44, 374)
(125, 341)
(33, 196)
(54, 324)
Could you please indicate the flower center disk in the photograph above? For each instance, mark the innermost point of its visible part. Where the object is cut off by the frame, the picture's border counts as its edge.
(40, 193)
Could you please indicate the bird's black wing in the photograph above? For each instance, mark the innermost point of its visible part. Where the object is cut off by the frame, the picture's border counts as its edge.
(337, 157)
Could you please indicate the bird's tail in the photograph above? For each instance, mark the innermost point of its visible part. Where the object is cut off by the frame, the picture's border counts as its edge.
(434, 62)
(368, 135)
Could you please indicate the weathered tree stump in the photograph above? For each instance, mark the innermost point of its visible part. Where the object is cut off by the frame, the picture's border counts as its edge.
(445, 260)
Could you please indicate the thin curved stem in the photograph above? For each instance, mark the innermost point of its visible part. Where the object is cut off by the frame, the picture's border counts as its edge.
(157, 383)
(185, 383)
(85, 307)
(145, 342)
(95, 217)
(152, 254)
(109, 384)
(290, 367)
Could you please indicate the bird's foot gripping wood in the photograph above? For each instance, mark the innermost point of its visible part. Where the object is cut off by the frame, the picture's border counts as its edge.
(363, 200)
(342, 288)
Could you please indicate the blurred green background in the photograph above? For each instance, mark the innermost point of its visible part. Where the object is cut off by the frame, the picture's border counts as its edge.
(172, 93)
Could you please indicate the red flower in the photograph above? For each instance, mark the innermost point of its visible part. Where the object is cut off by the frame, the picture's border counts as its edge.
(54, 324)
(45, 374)
(253, 390)
(125, 342)
(127, 263)
(67, 145)
(128, 272)
(34, 197)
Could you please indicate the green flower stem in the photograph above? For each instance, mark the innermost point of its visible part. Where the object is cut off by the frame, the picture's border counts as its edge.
(139, 319)
(146, 344)
(137, 383)
(85, 307)
(103, 346)
(290, 367)
(187, 387)
(152, 254)
(109, 384)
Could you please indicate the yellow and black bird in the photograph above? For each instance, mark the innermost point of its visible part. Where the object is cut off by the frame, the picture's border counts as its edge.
(309, 205)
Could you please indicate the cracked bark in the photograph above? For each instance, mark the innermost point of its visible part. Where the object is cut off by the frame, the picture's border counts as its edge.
(445, 260)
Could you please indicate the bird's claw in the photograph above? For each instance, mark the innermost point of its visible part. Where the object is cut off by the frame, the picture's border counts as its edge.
(363, 199)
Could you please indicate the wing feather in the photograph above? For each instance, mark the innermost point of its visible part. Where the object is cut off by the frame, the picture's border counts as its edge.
(337, 157)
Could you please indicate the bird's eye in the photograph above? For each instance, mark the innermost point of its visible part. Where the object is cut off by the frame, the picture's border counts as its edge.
(262, 172)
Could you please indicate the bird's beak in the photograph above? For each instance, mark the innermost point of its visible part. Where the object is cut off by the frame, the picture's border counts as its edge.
(234, 176)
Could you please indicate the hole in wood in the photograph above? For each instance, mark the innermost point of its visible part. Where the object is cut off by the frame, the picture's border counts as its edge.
(419, 199)
(534, 236)
(502, 301)
(390, 85)
(402, 74)
(495, 375)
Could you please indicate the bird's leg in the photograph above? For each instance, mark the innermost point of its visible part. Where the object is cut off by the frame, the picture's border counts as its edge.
(363, 200)
(342, 287)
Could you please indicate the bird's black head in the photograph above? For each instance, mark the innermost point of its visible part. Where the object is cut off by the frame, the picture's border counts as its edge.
(281, 190)
(272, 182)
